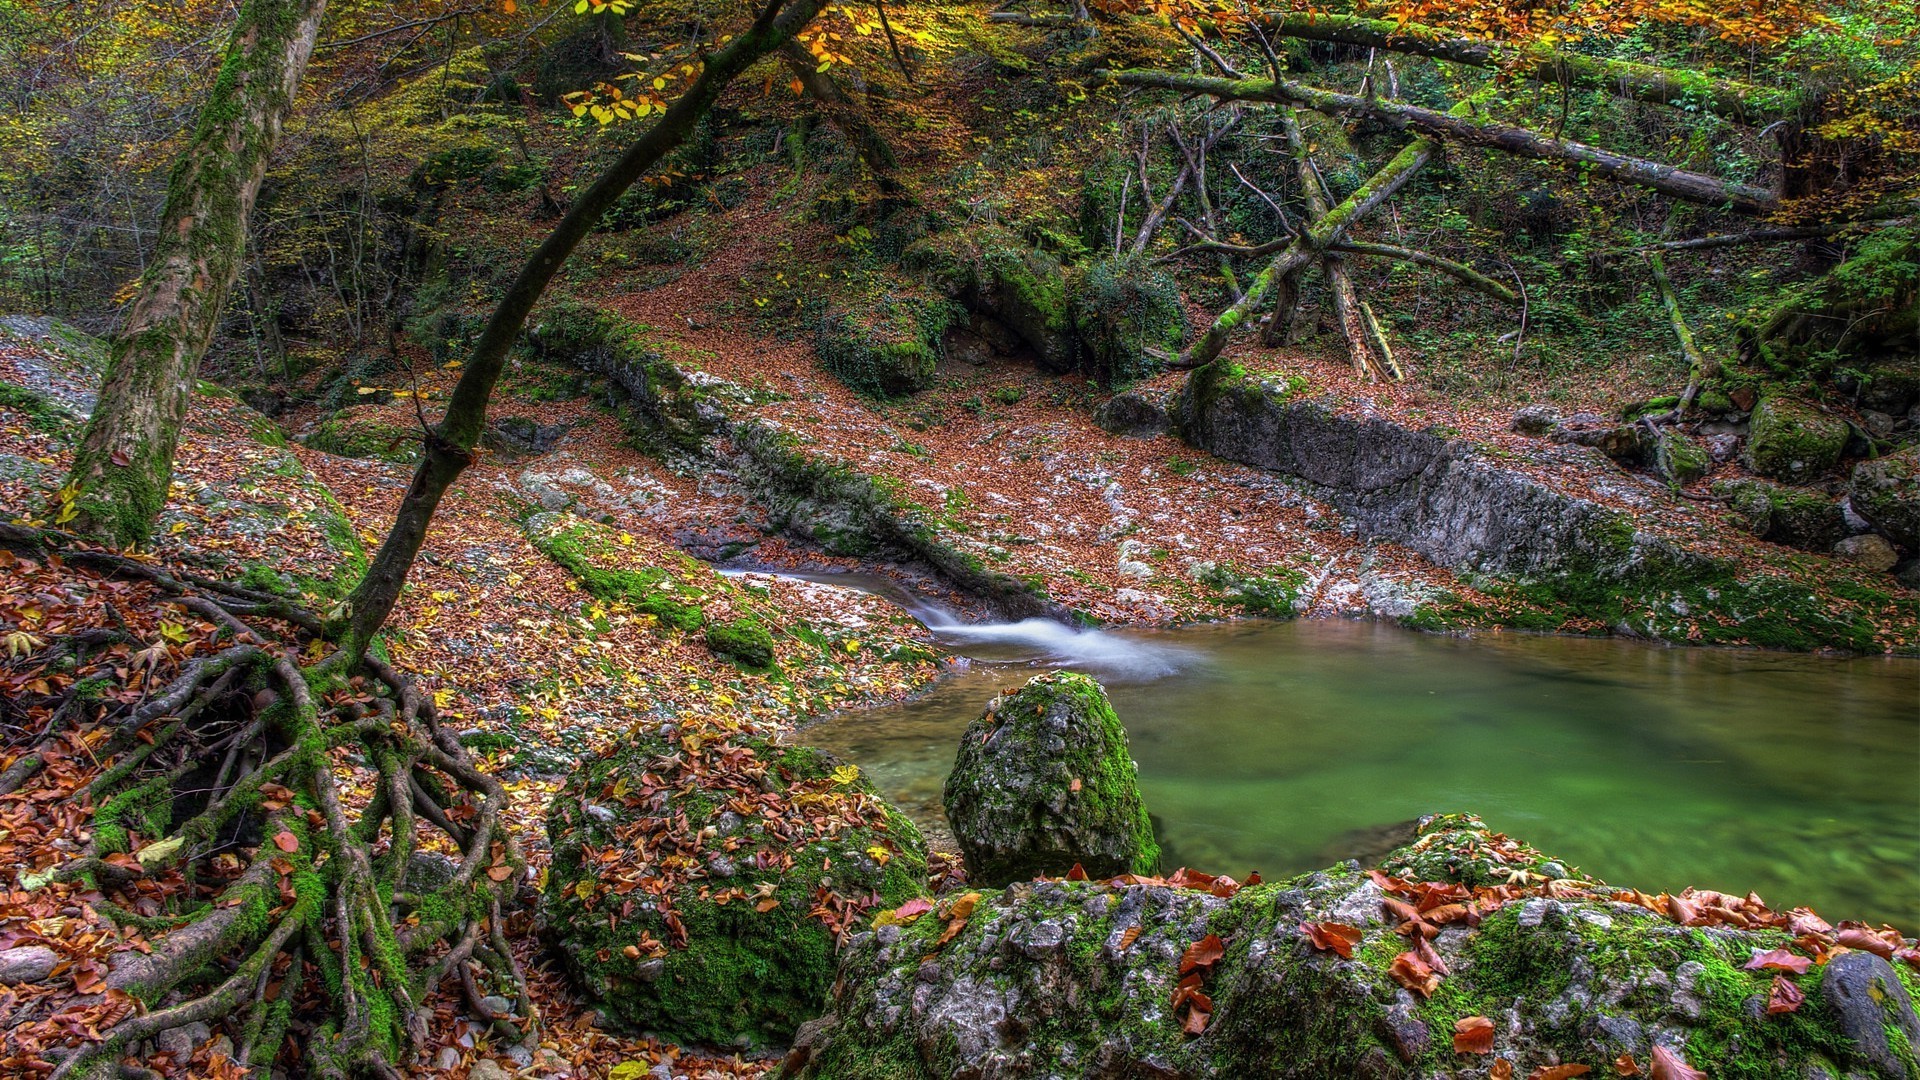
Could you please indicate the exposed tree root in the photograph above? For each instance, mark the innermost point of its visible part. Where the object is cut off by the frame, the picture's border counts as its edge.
(335, 852)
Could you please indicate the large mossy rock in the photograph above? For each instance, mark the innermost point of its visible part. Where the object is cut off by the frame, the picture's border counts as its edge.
(1044, 780)
(1079, 979)
(1792, 440)
(699, 881)
(1130, 319)
(1886, 491)
(888, 348)
(992, 271)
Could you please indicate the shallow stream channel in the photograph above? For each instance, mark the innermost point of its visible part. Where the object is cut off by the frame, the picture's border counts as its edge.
(1284, 747)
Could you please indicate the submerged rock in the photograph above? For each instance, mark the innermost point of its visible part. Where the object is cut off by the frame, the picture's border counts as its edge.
(674, 924)
(1326, 976)
(1044, 780)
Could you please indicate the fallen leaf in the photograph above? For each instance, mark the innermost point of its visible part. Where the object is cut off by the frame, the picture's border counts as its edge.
(286, 841)
(1128, 936)
(1865, 941)
(1413, 973)
(1502, 1070)
(1668, 1065)
(1473, 1035)
(1558, 1072)
(499, 873)
(1778, 960)
(1624, 1065)
(1784, 997)
(1203, 953)
(1333, 937)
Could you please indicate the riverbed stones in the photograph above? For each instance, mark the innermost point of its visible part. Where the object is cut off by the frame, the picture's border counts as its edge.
(26, 964)
(672, 924)
(1886, 491)
(1792, 440)
(1871, 1007)
(1044, 780)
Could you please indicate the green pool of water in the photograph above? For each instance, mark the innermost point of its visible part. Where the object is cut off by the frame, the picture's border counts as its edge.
(1282, 747)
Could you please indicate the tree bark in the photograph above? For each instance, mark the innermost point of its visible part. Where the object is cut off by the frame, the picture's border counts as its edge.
(124, 464)
(1744, 102)
(1464, 274)
(872, 147)
(449, 447)
(1700, 366)
(1471, 131)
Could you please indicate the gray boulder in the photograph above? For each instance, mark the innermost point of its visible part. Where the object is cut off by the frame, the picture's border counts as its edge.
(26, 964)
(1869, 550)
(1044, 780)
(1133, 413)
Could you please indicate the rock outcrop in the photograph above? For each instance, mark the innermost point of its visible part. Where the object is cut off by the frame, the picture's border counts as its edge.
(1791, 440)
(1044, 781)
(709, 911)
(1406, 972)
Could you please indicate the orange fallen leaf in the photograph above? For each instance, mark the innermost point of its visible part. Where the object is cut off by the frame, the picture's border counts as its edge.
(1668, 1065)
(1413, 973)
(1784, 997)
(1502, 1070)
(1624, 1065)
(1333, 937)
(286, 841)
(1865, 941)
(1128, 936)
(1473, 1035)
(1558, 1072)
(1203, 953)
(1778, 960)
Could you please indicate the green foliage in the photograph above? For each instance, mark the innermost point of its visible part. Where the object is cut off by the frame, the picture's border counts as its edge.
(1129, 316)
(350, 435)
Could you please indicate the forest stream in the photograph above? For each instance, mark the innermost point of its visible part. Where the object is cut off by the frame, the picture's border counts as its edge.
(1280, 747)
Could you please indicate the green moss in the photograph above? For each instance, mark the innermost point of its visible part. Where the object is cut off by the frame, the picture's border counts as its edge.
(593, 554)
(744, 641)
(1271, 595)
(357, 437)
(1792, 440)
(992, 271)
(40, 410)
(1130, 319)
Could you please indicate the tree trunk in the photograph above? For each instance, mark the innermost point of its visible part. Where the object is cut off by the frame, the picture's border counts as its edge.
(1507, 138)
(124, 465)
(872, 147)
(1700, 366)
(1740, 101)
(449, 448)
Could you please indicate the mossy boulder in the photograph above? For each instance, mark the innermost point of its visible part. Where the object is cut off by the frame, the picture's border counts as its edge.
(1130, 319)
(1797, 517)
(705, 903)
(1886, 491)
(992, 271)
(608, 570)
(1678, 459)
(745, 641)
(349, 434)
(1062, 978)
(1044, 780)
(1792, 440)
(888, 348)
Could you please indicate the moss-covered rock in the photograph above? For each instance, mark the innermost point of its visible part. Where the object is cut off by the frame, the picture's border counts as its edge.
(1079, 979)
(352, 435)
(1130, 318)
(1678, 459)
(662, 407)
(595, 556)
(886, 349)
(992, 271)
(705, 906)
(1797, 517)
(1792, 440)
(744, 641)
(1044, 780)
(1886, 491)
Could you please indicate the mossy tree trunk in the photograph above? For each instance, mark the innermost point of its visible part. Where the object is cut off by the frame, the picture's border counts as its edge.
(124, 464)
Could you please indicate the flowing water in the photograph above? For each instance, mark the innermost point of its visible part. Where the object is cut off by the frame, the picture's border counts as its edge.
(1283, 747)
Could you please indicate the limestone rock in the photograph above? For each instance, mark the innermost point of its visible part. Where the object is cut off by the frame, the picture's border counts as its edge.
(1796, 517)
(1886, 491)
(1791, 440)
(1869, 1003)
(702, 961)
(1044, 780)
(1536, 419)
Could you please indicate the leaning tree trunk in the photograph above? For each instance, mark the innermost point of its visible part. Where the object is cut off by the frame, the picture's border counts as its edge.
(449, 446)
(124, 465)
